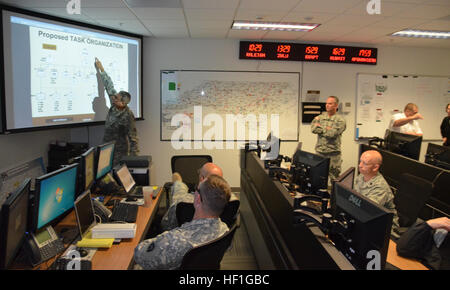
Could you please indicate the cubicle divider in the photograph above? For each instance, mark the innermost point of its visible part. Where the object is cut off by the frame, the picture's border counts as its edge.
(288, 246)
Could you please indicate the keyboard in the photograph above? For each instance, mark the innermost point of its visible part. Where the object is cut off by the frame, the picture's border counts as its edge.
(124, 212)
(68, 264)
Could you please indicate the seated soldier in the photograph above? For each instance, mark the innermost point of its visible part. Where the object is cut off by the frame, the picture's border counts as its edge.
(372, 185)
(166, 251)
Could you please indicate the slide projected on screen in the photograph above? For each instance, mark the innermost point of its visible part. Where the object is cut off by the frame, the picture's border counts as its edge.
(52, 79)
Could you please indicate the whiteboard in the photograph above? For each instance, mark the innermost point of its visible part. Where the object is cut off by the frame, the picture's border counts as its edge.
(267, 98)
(379, 96)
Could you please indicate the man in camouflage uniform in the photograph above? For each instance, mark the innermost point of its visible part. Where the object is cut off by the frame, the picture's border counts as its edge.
(179, 193)
(372, 185)
(329, 127)
(120, 125)
(166, 251)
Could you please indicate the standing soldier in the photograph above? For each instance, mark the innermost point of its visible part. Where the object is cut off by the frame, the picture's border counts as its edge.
(120, 125)
(329, 127)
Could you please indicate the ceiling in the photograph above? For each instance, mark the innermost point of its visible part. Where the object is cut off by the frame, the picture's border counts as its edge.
(342, 21)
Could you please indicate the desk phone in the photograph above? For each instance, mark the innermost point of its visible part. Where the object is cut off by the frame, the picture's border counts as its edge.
(43, 245)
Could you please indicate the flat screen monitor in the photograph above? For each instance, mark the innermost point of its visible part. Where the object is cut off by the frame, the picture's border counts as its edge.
(125, 178)
(55, 196)
(438, 155)
(12, 178)
(311, 171)
(347, 178)
(366, 239)
(13, 221)
(52, 80)
(105, 159)
(88, 168)
(84, 211)
(403, 144)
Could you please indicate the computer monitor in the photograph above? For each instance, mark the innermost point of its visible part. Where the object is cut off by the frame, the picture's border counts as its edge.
(125, 178)
(310, 171)
(105, 159)
(270, 148)
(438, 155)
(87, 169)
(368, 227)
(403, 144)
(347, 178)
(12, 178)
(54, 196)
(13, 223)
(84, 211)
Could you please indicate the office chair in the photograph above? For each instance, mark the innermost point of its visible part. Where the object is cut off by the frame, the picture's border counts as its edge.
(185, 212)
(412, 194)
(187, 166)
(209, 255)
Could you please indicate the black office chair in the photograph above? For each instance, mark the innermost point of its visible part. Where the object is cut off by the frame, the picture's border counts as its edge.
(185, 212)
(412, 194)
(187, 166)
(209, 255)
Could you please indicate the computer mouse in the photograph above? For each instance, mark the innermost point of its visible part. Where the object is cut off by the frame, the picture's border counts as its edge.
(131, 199)
(83, 253)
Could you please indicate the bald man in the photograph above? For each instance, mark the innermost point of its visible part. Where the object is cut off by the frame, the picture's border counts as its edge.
(372, 184)
(179, 193)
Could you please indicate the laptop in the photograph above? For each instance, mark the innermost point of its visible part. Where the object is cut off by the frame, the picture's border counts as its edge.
(84, 212)
(126, 179)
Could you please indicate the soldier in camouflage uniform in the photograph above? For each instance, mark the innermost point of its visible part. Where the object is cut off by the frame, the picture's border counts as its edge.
(179, 193)
(166, 251)
(120, 125)
(372, 185)
(329, 127)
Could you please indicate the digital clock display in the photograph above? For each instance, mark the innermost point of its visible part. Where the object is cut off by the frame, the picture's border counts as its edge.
(307, 52)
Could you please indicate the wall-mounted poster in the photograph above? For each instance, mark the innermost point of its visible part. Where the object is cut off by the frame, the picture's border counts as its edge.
(229, 105)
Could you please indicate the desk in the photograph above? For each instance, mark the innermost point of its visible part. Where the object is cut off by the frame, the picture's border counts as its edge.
(402, 263)
(119, 256)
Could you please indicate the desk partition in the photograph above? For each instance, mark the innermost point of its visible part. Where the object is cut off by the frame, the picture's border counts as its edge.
(289, 246)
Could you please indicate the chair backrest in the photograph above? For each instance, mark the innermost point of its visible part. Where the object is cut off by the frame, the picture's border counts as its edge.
(185, 212)
(230, 211)
(209, 255)
(412, 194)
(187, 166)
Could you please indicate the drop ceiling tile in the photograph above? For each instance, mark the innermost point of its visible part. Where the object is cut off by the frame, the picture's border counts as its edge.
(159, 13)
(259, 15)
(209, 14)
(210, 4)
(278, 5)
(110, 13)
(326, 6)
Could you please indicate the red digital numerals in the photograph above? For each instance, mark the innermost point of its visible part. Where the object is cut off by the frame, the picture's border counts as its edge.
(311, 53)
(283, 51)
(255, 51)
(338, 54)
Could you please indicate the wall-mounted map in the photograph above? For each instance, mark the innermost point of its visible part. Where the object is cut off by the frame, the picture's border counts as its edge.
(220, 105)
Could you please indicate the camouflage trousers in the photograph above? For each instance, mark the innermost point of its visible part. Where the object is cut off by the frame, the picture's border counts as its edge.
(335, 165)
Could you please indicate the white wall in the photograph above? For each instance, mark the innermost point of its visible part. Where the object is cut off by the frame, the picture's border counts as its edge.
(330, 79)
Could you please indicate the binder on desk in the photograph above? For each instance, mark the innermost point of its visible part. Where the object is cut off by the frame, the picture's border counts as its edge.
(89, 242)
